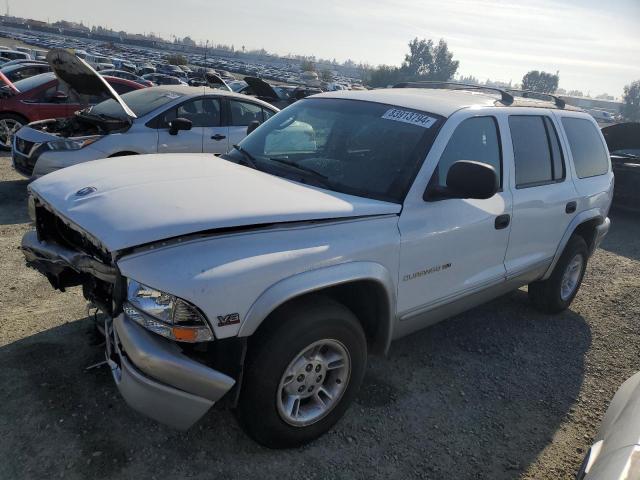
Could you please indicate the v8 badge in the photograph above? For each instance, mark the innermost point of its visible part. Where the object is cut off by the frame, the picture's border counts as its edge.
(226, 320)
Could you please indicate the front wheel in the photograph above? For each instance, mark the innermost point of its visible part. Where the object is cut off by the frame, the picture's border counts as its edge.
(9, 125)
(302, 372)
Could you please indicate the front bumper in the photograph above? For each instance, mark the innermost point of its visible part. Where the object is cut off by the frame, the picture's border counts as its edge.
(51, 161)
(157, 380)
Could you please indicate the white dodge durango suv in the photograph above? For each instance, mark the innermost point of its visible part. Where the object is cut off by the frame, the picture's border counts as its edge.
(264, 278)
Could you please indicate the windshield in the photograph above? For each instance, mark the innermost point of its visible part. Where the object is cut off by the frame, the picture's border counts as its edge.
(361, 148)
(140, 101)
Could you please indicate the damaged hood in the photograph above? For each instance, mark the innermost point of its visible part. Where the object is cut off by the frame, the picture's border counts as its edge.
(622, 136)
(261, 88)
(124, 202)
(81, 76)
(215, 81)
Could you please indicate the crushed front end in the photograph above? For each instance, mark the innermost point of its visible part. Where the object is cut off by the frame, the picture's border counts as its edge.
(175, 383)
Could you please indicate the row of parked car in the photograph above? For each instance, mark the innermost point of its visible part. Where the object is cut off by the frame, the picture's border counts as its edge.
(124, 56)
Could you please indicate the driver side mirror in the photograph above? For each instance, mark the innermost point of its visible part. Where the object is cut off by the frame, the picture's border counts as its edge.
(178, 124)
(59, 97)
(466, 179)
(252, 126)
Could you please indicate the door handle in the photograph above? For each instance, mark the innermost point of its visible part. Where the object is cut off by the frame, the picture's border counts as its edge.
(571, 207)
(218, 136)
(502, 221)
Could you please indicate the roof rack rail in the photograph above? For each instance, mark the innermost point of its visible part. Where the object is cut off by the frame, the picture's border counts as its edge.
(505, 97)
(531, 94)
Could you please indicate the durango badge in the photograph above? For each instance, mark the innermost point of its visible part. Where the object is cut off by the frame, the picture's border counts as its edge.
(226, 320)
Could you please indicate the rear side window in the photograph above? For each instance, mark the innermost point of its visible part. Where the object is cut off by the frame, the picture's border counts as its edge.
(536, 150)
(589, 156)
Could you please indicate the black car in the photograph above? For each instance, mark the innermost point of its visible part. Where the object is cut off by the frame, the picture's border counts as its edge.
(279, 96)
(162, 79)
(623, 140)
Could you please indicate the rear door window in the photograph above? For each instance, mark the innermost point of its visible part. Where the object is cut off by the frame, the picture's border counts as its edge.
(203, 112)
(589, 155)
(536, 151)
(243, 113)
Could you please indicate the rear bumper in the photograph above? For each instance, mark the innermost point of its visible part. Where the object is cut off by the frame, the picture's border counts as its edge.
(157, 380)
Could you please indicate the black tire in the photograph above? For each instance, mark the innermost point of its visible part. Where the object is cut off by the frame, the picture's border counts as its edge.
(546, 295)
(13, 118)
(290, 330)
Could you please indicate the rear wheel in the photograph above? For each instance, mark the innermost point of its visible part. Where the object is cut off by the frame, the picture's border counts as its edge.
(302, 372)
(9, 125)
(557, 292)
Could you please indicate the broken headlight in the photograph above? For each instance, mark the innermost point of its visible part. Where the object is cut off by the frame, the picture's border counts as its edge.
(73, 144)
(165, 314)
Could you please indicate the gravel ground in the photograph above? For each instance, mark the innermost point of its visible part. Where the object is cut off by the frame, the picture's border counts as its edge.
(499, 392)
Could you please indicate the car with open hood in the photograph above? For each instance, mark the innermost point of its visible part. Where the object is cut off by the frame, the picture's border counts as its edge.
(261, 280)
(623, 141)
(280, 96)
(161, 119)
(45, 96)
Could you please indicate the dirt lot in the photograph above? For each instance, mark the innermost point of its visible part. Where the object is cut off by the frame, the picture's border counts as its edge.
(499, 392)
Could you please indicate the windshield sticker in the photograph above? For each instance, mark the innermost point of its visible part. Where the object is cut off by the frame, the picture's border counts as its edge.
(406, 116)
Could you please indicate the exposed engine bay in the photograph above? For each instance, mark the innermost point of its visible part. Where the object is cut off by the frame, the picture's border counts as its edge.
(82, 124)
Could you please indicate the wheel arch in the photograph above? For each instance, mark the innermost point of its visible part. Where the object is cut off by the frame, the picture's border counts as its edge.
(584, 224)
(354, 284)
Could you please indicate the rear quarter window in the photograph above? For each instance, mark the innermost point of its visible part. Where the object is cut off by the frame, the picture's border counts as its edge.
(589, 155)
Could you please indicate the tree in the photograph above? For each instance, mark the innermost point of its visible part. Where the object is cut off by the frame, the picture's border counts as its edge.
(469, 79)
(177, 60)
(382, 76)
(428, 62)
(308, 66)
(575, 93)
(631, 98)
(326, 75)
(604, 96)
(542, 82)
(425, 61)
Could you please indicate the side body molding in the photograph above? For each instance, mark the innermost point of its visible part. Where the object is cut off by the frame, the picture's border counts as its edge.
(315, 280)
(587, 215)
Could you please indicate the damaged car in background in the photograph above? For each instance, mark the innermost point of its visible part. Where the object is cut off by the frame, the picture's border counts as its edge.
(164, 119)
(279, 96)
(623, 141)
(44, 96)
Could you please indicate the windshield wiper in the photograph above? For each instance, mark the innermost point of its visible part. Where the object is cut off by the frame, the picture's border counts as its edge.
(102, 116)
(302, 168)
(249, 159)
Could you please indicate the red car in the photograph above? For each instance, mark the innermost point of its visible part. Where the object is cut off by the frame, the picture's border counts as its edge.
(44, 96)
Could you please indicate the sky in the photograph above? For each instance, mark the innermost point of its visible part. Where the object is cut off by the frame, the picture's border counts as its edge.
(594, 44)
